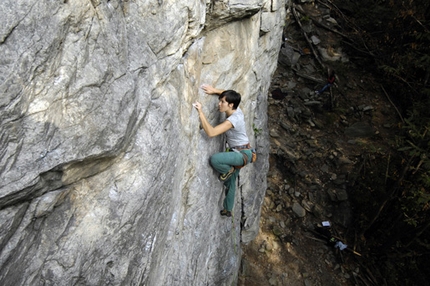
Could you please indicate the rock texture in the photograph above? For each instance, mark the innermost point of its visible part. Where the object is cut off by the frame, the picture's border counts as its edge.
(105, 177)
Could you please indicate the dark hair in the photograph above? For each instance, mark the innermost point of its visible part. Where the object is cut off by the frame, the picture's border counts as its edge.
(231, 96)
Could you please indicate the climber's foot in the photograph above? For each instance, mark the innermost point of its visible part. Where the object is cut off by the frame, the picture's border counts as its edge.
(225, 213)
(226, 176)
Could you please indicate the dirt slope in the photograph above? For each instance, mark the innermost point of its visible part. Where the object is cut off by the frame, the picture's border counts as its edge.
(287, 250)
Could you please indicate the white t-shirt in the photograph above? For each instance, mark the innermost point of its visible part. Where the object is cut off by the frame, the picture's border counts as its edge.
(236, 136)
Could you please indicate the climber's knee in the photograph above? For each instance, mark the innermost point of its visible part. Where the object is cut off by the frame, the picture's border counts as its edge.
(214, 160)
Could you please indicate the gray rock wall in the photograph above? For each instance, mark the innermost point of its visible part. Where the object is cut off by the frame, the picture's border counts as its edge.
(104, 170)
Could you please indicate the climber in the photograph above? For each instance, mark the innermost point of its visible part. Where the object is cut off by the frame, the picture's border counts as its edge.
(228, 164)
(330, 81)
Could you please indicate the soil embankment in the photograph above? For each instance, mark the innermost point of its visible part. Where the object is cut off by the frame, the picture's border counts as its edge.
(316, 146)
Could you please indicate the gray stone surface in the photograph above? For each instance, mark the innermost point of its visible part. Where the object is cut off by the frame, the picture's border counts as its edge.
(298, 210)
(104, 171)
(359, 129)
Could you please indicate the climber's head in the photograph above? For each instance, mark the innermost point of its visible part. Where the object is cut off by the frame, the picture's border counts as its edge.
(231, 97)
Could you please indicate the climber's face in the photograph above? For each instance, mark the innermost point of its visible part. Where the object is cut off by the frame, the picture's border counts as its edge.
(224, 106)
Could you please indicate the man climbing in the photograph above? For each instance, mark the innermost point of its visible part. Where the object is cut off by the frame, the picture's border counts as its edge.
(330, 81)
(227, 163)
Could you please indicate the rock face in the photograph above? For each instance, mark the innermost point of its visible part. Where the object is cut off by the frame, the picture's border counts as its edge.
(104, 170)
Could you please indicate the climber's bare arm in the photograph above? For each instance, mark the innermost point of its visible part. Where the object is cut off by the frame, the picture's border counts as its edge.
(209, 129)
(211, 90)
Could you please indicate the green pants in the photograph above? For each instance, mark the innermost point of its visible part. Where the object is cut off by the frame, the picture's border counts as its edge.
(222, 162)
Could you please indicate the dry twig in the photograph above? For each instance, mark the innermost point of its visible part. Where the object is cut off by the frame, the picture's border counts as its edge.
(307, 76)
(293, 9)
(389, 99)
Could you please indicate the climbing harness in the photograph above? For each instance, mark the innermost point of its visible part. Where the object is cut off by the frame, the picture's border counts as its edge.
(239, 149)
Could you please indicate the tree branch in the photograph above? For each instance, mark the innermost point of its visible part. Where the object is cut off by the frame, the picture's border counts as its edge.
(389, 99)
(293, 9)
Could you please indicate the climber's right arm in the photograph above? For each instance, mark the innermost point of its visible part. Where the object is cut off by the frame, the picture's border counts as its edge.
(211, 90)
(207, 127)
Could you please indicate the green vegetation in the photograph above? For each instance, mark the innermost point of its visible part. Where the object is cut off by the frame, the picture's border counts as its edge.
(305, 19)
(257, 131)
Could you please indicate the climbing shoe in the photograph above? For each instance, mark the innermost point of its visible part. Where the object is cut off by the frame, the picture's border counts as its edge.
(225, 213)
(226, 176)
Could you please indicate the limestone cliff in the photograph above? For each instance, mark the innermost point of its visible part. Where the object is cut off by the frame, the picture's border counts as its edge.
(104, 170)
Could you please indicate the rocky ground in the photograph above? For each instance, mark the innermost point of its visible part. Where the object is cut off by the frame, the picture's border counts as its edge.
(317, 142)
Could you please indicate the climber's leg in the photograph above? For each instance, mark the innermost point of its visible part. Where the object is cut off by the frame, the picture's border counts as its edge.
(224, 161)
(230, 191)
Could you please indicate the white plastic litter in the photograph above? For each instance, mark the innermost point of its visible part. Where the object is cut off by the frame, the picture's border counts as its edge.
(325, 223)
(340, 245)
